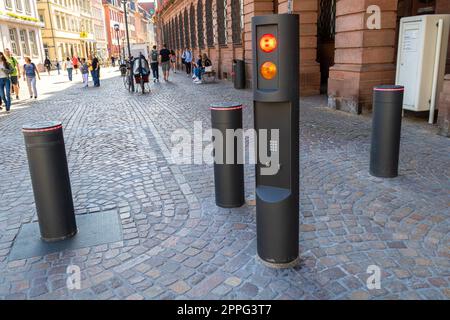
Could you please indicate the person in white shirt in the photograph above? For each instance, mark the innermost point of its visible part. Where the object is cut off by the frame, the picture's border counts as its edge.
(68, 65)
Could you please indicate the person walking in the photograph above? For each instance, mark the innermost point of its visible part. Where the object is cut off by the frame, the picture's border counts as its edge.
(84, 68)
(68, 65)
(188, 60)
(48, 65)
(58, 67)
(173, 61)
(154, 64)
(165, 62)
(15, 74)
(30, 73)
(95, 71)
(5, 82)
(75, 62)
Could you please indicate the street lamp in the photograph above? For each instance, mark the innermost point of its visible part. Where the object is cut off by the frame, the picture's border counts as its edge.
(117, 28)
(128, 37)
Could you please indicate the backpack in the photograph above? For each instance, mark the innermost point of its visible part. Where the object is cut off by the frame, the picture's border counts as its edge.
(154, 56)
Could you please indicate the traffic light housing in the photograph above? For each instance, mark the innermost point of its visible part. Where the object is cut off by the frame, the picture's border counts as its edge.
(276, 107)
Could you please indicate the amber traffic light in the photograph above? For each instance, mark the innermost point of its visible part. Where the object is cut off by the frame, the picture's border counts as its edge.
(268, 70)
(268, 43)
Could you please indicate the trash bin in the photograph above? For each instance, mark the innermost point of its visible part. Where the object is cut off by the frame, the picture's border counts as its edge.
(228, 177)
(47, 161)
(239, 74)
(386, 130)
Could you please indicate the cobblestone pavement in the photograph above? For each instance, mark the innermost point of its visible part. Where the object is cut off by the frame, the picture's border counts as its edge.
(177, 244)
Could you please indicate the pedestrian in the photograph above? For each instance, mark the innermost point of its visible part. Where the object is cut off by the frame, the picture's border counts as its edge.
(173, 61)
(113, 61)
(188, 60)
(30, 73)
(84, 68)
(154, 64)
(165, 62)
(48, 65)
(58, 67)
(200, 65)
(68, 65)
(95, 71)
(75, 62)
(5, 82)
(15, 74)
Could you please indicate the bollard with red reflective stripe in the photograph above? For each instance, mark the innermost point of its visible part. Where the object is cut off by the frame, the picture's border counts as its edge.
(47, 161)
(386, 130)
(228, 163)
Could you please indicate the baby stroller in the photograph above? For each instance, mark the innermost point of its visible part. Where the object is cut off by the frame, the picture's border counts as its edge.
(141, 72)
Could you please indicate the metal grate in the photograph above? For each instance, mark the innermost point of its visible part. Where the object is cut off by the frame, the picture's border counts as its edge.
(209, 23)
(326, 27)
(200, 34)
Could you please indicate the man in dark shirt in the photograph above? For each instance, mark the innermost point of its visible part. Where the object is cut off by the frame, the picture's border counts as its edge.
(95, 71)
(165, 62)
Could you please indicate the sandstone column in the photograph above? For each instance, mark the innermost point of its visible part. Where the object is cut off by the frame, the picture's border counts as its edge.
(309, 68)
(363, 58)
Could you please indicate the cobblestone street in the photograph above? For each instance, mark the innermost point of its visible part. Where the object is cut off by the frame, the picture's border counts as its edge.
(176, 244)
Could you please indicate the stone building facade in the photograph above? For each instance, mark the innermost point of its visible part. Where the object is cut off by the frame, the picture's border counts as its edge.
(20, 30)
(339, 55)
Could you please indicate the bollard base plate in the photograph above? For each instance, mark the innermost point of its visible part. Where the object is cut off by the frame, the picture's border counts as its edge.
(50, 240)
(93, 229)
(273, 265)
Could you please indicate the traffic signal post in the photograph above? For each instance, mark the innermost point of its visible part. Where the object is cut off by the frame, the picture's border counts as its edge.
(276, 107)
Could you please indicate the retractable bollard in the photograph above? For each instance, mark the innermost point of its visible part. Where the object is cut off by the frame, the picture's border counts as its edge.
(228, 177)
(276, 115)
(50, 179)
(386, 130)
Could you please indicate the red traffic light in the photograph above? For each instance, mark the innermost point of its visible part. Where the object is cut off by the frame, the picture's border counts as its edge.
(268, 43)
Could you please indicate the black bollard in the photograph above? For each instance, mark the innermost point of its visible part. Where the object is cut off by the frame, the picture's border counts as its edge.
(386, 130)
(50, 179)
(228, 177)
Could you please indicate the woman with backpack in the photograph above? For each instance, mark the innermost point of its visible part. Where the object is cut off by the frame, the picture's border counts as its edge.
(5, 82)
(29, 74)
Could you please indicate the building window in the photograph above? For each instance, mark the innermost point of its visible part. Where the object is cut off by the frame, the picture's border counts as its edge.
(236, 21)
(13, 40)
(181, 34)
(175, 34)
(209, 23)
(24, 43)
(192, 25)
(33, 43)
(19, 5)
(222, 21)
(186, 28)
(27, 7)
(58, 21)
(200, 34)
(8, 4)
